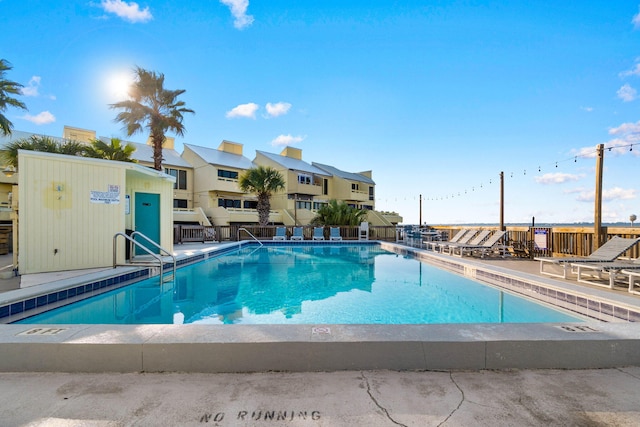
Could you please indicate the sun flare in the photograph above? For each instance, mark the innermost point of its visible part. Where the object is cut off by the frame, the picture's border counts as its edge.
(118, 85)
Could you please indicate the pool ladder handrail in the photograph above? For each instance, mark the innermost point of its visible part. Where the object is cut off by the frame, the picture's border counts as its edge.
(249, 233)
(132, 243)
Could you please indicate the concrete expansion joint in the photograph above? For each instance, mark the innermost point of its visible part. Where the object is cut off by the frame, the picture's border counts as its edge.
(459, 403)
(375, 401)
(627, 373)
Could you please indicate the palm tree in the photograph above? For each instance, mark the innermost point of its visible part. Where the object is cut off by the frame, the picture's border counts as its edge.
(263, 181)
(7, 88)
(339, 213)
(40, 143)
(114, 150)
(153, 107)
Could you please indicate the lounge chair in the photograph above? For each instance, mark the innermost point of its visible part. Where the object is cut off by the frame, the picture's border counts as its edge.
(475, 241)
(489, 245)
(318, 233)
(633, 276)
(608, 252)
(463, 238)
(334, 233)
(592, 272)
(281, 234)
(433, 245)
(297, 234)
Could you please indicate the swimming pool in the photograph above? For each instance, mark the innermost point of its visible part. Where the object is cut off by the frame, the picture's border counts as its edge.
(306, 284)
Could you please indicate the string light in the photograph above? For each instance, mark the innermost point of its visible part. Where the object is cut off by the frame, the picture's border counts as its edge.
(585, 154)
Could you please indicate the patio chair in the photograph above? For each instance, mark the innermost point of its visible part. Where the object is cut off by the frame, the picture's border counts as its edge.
(592, 272)
(608, 252)
(297, 234)
(318, 233)
(334, 233)
(489, 245)
(281, 234)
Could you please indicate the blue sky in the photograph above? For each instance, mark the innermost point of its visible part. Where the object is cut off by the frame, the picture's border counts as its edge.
(436, 97)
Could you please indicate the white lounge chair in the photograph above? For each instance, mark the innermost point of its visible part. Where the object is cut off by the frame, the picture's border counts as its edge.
(297, 234)
(481, 249)
(334, 233)
(633, 276)
(318, 233)
(592, 272)
(475, 241)
(465, 238)
(281, 234)
(435, 244)
(608, 252)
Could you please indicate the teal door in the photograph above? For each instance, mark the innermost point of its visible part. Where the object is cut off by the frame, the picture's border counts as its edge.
(147, 220)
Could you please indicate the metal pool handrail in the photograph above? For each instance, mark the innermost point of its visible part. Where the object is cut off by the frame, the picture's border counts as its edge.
(249, 233)
(133, 242)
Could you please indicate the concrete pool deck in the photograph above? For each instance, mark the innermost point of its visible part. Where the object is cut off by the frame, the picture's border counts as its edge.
(324, 399)
(306, 348)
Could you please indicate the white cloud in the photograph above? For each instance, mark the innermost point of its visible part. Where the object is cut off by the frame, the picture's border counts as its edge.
(557, 178)
(615, 193)
(587, 109)
(31, 89)
(626, 134)
(636, 21)
(243, 110)
(43, 118)
(128, 11)
(627, 93)
(626, 128)
(287, 140)
(277, 109)
(239, 11)
(633, 72)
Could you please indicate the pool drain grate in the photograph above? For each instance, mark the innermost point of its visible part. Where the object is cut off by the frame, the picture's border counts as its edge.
(42, 331)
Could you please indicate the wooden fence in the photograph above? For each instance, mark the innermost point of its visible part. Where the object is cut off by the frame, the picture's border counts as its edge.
(527, 241)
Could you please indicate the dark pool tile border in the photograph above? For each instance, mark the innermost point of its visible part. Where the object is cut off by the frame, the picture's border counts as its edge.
(578, 303)
(57, 298)
(565, 299)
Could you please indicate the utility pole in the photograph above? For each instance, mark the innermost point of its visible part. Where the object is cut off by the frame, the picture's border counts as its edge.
(420, 221)
(502, 228)
(598, 239)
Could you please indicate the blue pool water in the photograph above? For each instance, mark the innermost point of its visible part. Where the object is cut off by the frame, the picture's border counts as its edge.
(306, 284)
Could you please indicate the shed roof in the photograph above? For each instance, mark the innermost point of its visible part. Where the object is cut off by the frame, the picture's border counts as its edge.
(293, 164)
(352, 176)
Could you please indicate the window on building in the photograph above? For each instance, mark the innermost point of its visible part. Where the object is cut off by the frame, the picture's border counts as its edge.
(303, 205)
(180, 203)
(318, 205)
(227, 174)
(250, 204)
(325, 186)
(304, 179)
(355, 186)
(229, 203)
(371, 196)
(180, 176)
